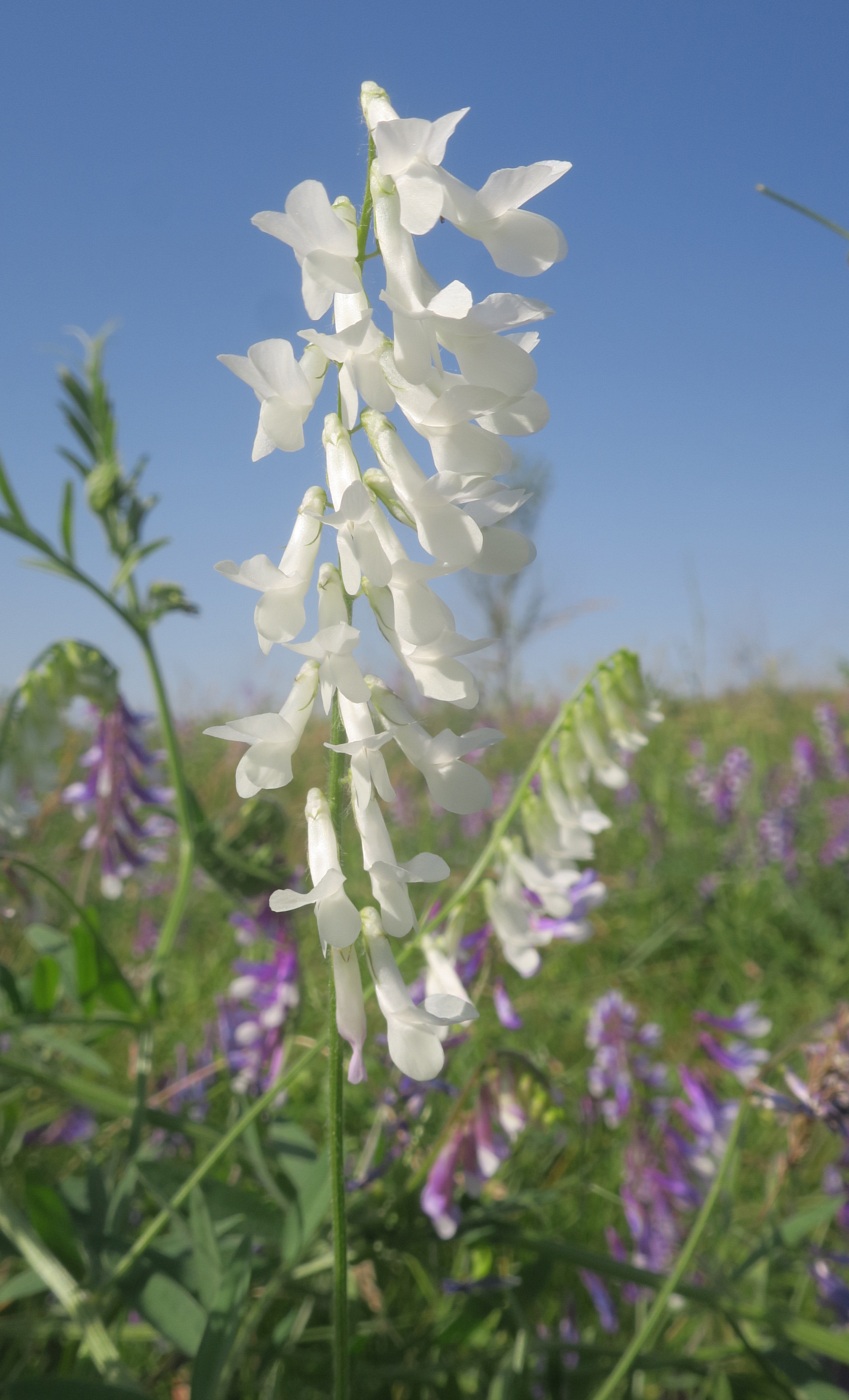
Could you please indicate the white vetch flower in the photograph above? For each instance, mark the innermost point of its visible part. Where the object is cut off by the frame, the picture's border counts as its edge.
(443, 529)
(550, 885)
(510, 915)
(338, 919)
(323, 237)
(356, 348)
(452, 784)
(517, 241)
(286, 389)
(333, 643)
(410, 150)
(389, 879)
(610, 773)
(273, 738)
(350, 1008)
(433, 665)
(279, 615)
(412, 1031)
(368, 766)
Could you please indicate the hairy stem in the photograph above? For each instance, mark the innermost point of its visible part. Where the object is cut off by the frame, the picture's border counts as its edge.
(336, 1104)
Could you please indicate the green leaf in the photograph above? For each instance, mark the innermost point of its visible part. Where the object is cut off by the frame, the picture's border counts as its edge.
(171, 1308)
(69, 1047)
(67, 1390)
(309, 1174)
(8, 494)
(207, 1257)
(10, 987)
(66, 519)
(818, 1339)
(26, 1284)
(223, 1325)
(46, 977)
(799, 1226)
(51, 1219)
(98, 974)
(135, 558)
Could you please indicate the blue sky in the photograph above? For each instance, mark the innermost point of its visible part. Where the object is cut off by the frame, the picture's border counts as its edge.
(696, 367)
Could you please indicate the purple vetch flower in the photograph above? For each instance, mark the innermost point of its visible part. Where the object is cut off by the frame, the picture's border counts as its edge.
(832, 741)
(586, 894)
(740, 1058)
(620, 1047)
(504, 1008)
(777, 839)
(146, 937)
(76, 1124)
(491, 1283)
(470, 953)
(602, 1302)
(804, 761)
(437, 1198)
(709, 1119)
(708, 886)
(115, 792)
(261, 997)
(832, 1289)
(186, 1089)
(722, 789)
(473, 1152)
(837, 846)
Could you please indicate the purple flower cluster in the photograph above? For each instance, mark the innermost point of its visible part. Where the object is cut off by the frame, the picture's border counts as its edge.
(478, 1143)
(623, 1056)
(261, 997)
(832, 741)
(116, 790)
(721, 789)
(739, 1056)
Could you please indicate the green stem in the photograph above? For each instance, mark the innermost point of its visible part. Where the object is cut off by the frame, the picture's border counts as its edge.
(221, 1148)
(186, 851)
(366, 213)
(654, 1319)
(336, 1103)
(803, 209)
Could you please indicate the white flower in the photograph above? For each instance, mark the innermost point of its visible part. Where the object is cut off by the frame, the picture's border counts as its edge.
(368, 766)
(412, 1031)
(410, 150)
(454, 785)
(510, 915)
(279, 615)
(273, 738)
(338, 919)
(323, 237)
(333, 643)
(610, 773)
(350, 1008)
(356, 348)
(389, 879)
(433, 665)
(285, 388)
(443, 530)
(517, 242)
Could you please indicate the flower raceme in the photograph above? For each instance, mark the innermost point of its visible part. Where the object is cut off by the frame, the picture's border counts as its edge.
(460, 375)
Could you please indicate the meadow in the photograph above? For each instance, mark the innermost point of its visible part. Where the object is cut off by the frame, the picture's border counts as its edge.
(566, 1217)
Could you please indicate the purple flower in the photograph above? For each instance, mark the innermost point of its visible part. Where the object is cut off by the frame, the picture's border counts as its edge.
(620, 1058)
(722, 789)
(437, 1198)
(737, 1056)
(74, 1125)
(804, 760)
(601, 1300)
(114, 793)
(776, 836)
(504, 1008)
(261, 997)
(832, 741)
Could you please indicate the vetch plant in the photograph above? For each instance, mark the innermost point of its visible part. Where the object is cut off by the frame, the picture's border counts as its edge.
(460, 377)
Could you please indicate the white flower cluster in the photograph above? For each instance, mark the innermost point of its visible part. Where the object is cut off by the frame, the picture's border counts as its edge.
(458, 513)
(540, 894)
